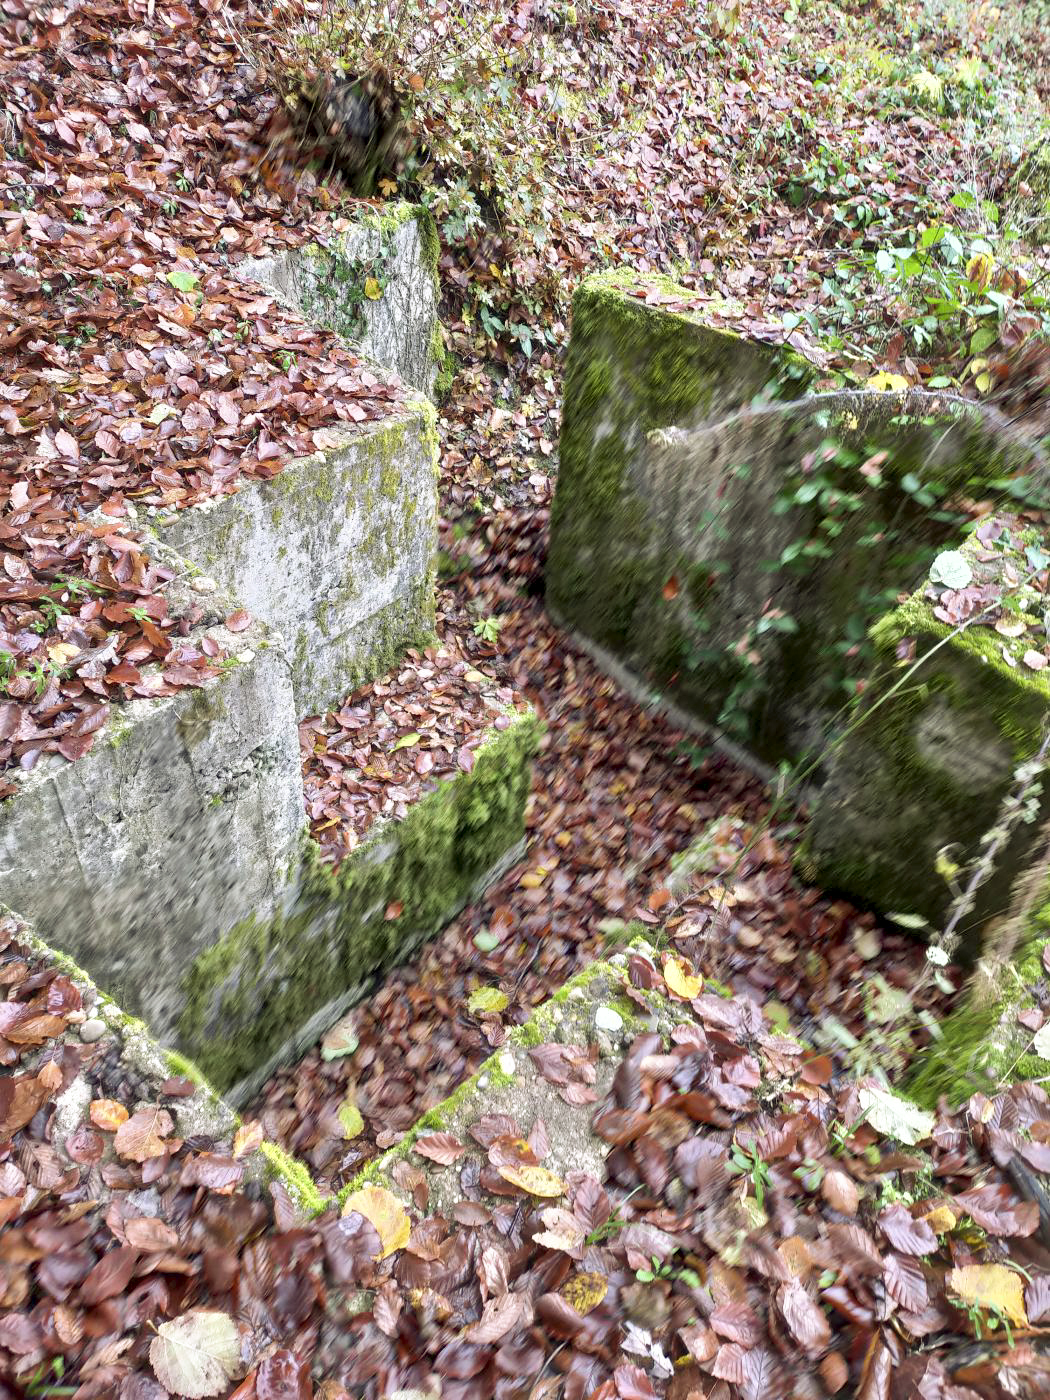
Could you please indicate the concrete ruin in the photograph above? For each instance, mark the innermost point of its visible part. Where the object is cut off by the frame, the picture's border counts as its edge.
(799, 572)
(173, 861)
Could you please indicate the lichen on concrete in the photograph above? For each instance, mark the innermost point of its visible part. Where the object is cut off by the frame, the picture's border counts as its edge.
(179, 821)
(336, 552)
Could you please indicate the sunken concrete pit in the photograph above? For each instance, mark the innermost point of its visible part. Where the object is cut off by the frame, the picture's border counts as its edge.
(173, 862)
(762, 556)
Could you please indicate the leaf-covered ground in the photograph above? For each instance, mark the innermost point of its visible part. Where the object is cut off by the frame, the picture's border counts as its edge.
(138, 372)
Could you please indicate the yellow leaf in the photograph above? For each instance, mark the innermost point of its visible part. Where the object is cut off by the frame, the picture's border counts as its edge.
(107, 1114)
(941, 1220)
(387, 187)
(247, 1138)
(350, 1119)
(386, 1213)
(680, 978)
(983, 383)
(62, 653)
(886, 382)
(486, 999)
(991, 1286)
(373, 291)
(979, 270)
(537, 1181)
(584, 1291)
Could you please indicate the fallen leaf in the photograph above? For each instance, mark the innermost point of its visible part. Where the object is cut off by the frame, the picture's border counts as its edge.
(140, 1137)
(439, 1147)
(107, 1114)
(681, 980)
(385, 1212)
(991, 1286)
(537, 1181)
(583, 1292)
(247, 1138)
(487, 1000)
(197, 1354)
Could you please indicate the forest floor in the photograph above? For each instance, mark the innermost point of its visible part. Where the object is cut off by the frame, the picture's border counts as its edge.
(770, 167)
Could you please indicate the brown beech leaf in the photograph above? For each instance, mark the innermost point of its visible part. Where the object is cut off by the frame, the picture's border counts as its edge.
(906, 1283)
(998, 1212)
(905, 1233)
(140, 1137)
(804, 1318)
(840, 1191)
(442, 1148)
(21, 1096)
(148, 1233)
(834, 1372)
(499, 1317)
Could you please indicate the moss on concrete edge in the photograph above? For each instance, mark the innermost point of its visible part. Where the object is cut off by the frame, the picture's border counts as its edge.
(254, 989)
(203, 1111)
(540, 1027)
(982, 1045)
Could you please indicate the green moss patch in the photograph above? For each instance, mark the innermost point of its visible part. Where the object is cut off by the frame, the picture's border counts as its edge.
(634, 368)
(255, 988)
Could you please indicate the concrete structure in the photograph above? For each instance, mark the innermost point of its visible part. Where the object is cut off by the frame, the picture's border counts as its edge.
(173, 861)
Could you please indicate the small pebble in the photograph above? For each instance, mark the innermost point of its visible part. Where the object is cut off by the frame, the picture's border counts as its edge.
(506, 1062)
(244, 657)
(92, 1030)
(606, 1019)
(203, 585)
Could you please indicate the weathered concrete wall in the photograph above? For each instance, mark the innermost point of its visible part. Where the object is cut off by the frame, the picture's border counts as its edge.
(727, 550)
(374, 284)
(633, 369)
(336, 552)
(172, 860)
(185, 818)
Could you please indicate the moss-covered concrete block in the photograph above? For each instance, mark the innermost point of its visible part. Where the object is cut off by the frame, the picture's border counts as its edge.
(374, 283)
(337, 552)
(591, 1009)
(182, 820)
(731, 542)
(633, 369)
(264, 990)
(926, 763)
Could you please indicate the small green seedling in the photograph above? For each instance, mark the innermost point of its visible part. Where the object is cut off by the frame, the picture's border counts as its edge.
(748, 1163)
